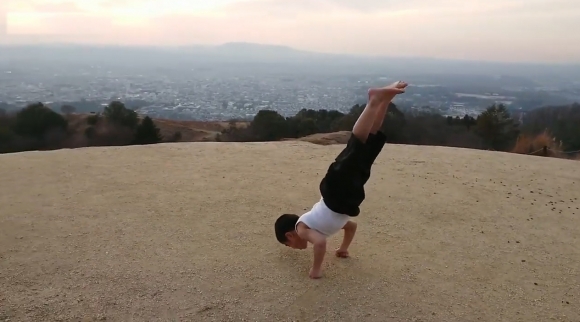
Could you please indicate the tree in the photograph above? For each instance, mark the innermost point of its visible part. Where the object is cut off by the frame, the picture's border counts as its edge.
(562, 121)
(90, 132)
(300, 127)
(147, 132)
(93, 119)
(6, 134)
(394, 125)
(269, 126)
(67, 109)
(36, 120)
(117, 113)
(497, 128)
(6, 139)
(468, 121)
(321, 121)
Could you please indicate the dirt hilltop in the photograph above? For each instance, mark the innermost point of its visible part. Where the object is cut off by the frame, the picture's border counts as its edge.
(184, 232)
(205, 131)
(191, 131)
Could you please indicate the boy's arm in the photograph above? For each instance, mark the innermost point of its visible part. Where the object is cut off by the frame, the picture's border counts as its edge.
(318, 242)
(349, 232)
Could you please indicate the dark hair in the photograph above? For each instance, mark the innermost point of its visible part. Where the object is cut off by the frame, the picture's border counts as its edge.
(284, 224)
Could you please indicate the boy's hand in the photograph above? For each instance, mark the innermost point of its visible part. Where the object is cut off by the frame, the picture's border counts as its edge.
(349, 231)
(315, 273)
(342, 253)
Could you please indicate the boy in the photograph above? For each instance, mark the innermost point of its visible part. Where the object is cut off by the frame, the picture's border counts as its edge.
(342, 188)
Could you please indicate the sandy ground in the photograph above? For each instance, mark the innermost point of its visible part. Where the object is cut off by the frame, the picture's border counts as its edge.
(326, 138)
(184, 232)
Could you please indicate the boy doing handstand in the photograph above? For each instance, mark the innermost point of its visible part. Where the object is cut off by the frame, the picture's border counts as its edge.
(342, 188)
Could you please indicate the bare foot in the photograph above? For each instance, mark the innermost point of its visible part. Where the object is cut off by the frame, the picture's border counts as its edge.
(388, 92)
(399, 84)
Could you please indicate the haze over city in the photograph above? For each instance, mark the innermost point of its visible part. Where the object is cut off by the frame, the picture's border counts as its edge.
(498, 30)
(223, 59)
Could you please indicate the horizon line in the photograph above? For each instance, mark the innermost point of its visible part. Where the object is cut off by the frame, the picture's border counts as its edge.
(372, 56)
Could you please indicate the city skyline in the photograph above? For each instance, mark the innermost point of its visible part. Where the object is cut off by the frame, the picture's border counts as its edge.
(497, 30)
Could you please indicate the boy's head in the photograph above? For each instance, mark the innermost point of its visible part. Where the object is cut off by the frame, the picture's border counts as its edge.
(285, 227)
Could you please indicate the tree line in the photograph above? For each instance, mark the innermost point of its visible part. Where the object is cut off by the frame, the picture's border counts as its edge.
(38, 127)
(558, 128)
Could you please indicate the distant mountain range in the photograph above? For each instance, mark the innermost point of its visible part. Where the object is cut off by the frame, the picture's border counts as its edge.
(250, 53)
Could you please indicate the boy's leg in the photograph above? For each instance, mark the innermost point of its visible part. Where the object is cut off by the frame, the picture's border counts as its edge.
(370, 120)
(360, 145)
(342, 187)
(382, 112)
(377, 139)
(365, 122)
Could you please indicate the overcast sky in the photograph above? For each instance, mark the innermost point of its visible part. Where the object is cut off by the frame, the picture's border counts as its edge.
(506, 30)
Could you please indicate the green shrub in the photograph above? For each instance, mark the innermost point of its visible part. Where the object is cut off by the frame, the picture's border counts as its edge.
(36, 120)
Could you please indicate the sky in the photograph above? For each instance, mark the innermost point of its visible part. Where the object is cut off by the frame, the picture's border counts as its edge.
(497, 30)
